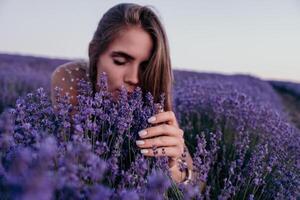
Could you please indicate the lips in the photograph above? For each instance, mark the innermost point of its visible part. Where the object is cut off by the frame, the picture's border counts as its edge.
(129, 92)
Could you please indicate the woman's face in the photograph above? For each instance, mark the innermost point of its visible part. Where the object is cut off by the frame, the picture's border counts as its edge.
(124, 58)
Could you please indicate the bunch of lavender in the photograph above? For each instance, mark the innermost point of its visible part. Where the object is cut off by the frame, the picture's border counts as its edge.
(246, 150)
(112, 127)
(90, 154)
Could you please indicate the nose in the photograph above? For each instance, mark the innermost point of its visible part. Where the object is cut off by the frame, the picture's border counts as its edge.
(131, 77)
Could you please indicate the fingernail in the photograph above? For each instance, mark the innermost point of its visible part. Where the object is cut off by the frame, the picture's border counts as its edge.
(138, 142)
(143, 151)
(151, 119)
(142, 133)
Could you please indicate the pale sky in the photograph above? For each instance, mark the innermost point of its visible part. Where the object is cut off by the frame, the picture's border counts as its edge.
(257, 37)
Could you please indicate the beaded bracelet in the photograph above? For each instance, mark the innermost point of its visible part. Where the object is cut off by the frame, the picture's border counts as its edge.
(189, 172)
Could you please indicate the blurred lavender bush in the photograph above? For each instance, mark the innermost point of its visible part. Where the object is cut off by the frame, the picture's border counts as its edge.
(290, 96)
(22, 74)
(236, 128)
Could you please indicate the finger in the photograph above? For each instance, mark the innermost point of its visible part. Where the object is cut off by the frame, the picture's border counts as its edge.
(168, 117)
(173, 151)
(160, 141)
(163, 129)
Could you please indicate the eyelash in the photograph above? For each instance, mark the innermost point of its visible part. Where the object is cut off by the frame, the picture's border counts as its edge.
(119, 63)
(122, 63)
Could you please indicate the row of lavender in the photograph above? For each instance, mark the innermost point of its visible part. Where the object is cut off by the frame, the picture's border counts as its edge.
(252, 121)
(289, 87)
(235, 128)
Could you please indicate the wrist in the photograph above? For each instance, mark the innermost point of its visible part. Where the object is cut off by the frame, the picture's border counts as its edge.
(176, 174)
(179, 170)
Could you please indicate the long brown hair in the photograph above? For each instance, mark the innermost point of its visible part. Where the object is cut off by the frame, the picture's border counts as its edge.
(157, 78)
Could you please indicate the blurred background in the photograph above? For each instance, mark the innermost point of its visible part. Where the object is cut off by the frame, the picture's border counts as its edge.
(257, 37)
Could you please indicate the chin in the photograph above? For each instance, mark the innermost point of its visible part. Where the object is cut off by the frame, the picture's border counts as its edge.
(115, 95)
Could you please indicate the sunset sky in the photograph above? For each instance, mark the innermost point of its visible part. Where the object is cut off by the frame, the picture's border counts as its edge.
(257, 37)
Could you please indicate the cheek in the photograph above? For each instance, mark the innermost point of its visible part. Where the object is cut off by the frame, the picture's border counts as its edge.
(103, 64)
(114, 73)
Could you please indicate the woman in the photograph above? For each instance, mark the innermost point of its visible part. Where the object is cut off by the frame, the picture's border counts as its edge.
(130, 45)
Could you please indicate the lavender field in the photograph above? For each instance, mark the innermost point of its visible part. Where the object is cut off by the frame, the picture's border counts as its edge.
(243, 134)
(21, 74)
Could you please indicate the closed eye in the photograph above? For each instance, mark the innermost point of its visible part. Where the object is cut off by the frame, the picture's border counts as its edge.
(119, 62)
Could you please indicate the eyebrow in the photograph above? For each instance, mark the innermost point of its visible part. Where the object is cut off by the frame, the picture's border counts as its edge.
(123, 54)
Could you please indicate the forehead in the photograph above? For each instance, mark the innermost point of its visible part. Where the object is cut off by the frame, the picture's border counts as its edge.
(134, 41)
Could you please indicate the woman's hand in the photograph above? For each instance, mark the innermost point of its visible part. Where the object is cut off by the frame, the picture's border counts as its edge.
(166, 136)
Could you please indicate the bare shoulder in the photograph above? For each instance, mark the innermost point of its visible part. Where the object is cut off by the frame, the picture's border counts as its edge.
(77, 69)
(66, 77)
